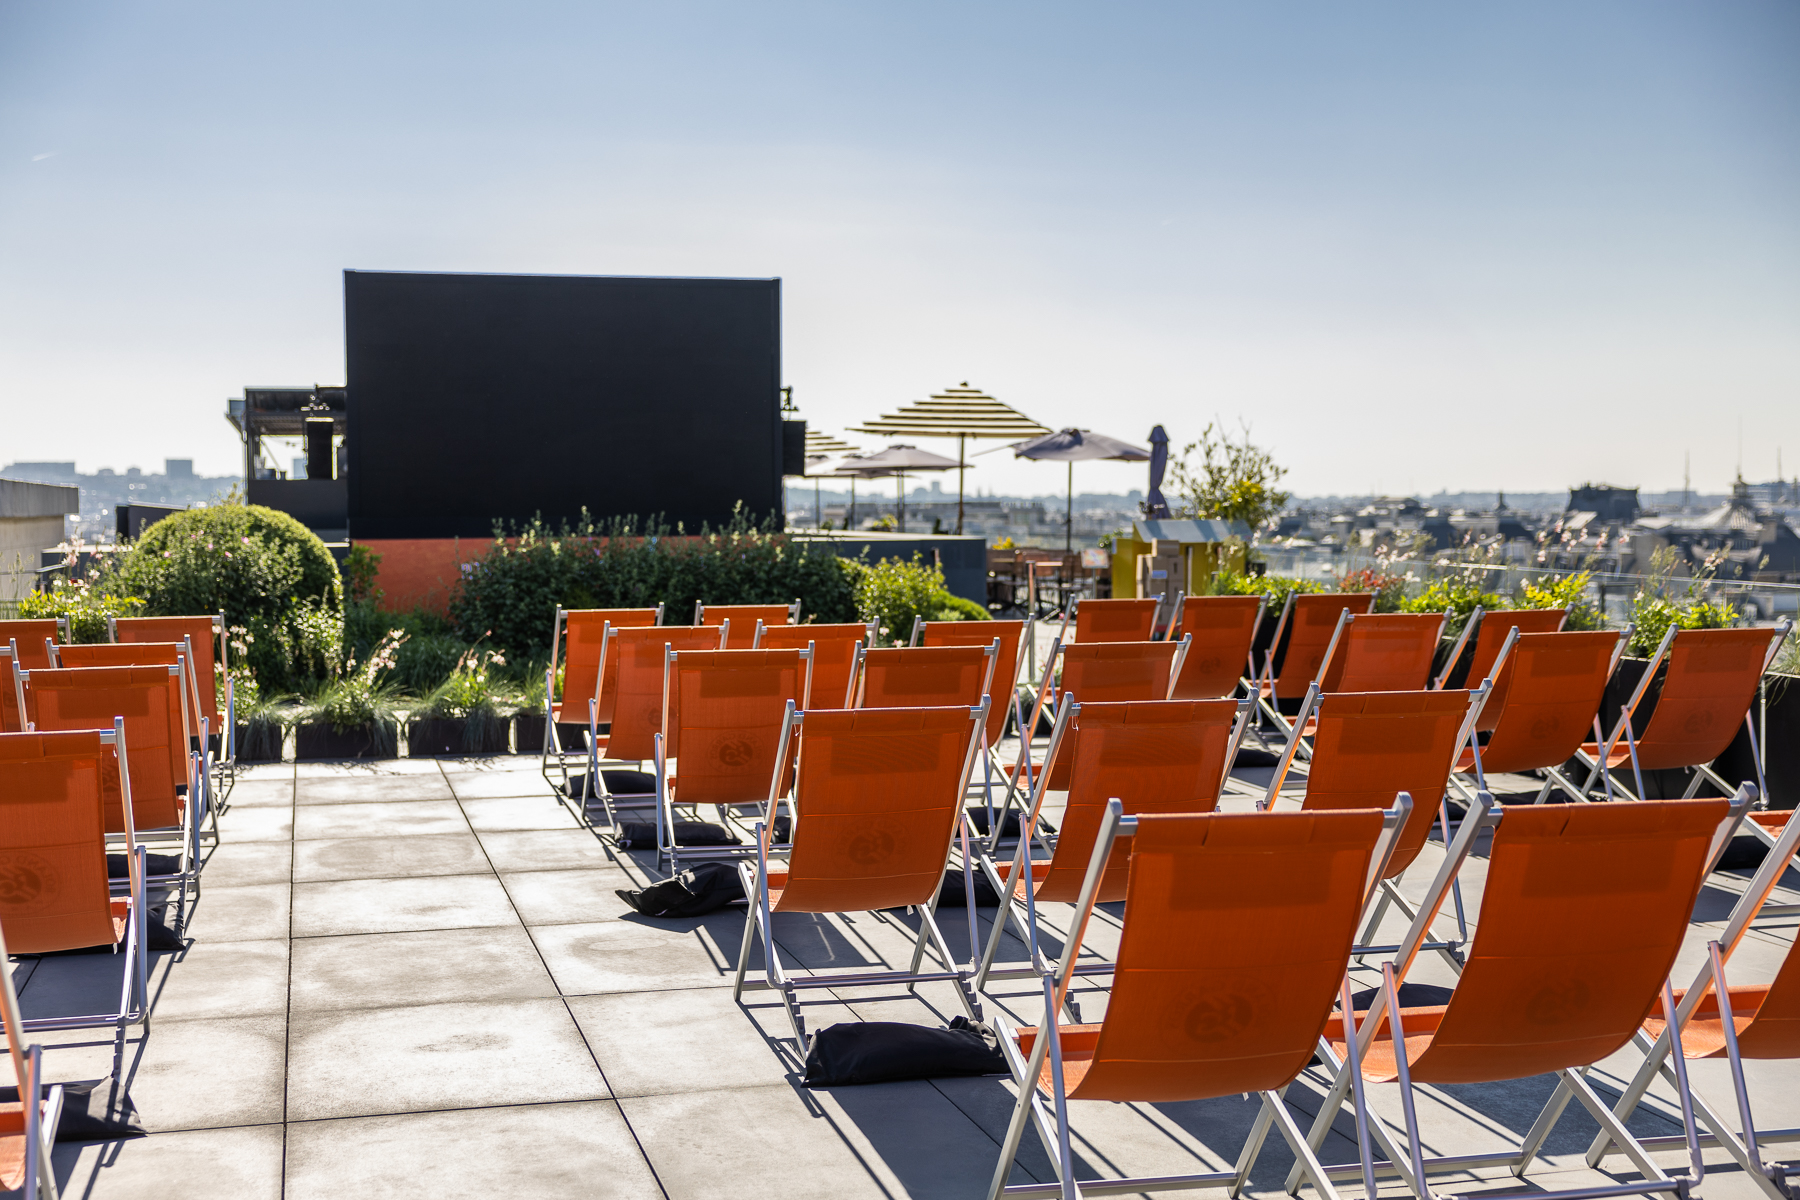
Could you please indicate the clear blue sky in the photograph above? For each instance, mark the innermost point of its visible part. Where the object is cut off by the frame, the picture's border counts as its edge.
(1414, 245)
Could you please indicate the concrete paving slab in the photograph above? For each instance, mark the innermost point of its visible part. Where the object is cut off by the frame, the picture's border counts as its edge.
(636, 953)
(406, 818)
(477, 785)
(499, 813)
(371, 789)
(399, 905)
(261, 793)
(254, 913)
(391, 970)
(221, 979)
(391, 1060)
(579, 1149)
(256, 824)
(544, 849)
(638, 1037)
(209, 1074)
(388, 857)
(366, 768)
(73, 985)
(570, 897)
(236, 864)
(210, 1164)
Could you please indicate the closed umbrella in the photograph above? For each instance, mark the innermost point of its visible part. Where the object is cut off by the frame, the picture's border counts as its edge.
(897, 461)
(1155, 507)
(1072, 446)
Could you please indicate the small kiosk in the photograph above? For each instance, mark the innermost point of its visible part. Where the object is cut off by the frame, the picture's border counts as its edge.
(1163, 557)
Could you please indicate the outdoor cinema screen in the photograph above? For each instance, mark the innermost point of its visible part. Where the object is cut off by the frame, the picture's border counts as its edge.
(476, 398)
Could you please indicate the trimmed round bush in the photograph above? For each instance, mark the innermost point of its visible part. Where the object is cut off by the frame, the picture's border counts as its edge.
(270, 575)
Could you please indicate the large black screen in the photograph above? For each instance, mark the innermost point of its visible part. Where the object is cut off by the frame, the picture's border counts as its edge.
(481, 397)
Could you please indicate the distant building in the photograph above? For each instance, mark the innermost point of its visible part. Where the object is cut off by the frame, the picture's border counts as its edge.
(1608, 503)
(41, 472)
(32, 520)
(178, 468)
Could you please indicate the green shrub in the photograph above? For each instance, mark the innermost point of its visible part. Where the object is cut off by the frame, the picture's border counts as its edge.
(1654, 609)
(88, 603)
(361, 698)
(952, 607)
(1389, 586)
(894, 593)
(1276, 587)
(1570, 592)
(1460, 594)
(512, 593)
(269, 574)
(472, 694)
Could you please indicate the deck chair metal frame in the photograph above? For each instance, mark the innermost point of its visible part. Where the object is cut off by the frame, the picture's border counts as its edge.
(1601, 763)
(759, 922)
(220, 770)
(134, 988)
(37, 1175)
(855, 697)
(1021, 914)
(668, 848)
(1745, 1144)
(1390, 893)
(184, 881)
(1178, 628)
(558, 634)
(1267, 683)
(1412, 1166)
(1000, 712)
(1476, 625)
(594, 789)
(1050, 1115)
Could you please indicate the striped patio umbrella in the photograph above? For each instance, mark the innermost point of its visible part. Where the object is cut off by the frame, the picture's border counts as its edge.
(961, 412)
(823, 453)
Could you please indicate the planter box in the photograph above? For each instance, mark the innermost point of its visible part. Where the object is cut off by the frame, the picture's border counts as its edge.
(528, 733)
(322, 741)
(259, 743)
(430, 737)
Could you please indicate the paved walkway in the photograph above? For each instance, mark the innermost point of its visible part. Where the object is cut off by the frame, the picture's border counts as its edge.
(414, 979)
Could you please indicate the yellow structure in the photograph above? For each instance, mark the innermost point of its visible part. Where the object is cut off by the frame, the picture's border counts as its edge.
(1206, 546)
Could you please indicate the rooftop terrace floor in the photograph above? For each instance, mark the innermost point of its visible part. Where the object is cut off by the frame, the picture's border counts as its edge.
(413, 978)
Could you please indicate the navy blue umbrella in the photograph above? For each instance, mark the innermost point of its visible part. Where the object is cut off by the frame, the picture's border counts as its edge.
(1155, 507)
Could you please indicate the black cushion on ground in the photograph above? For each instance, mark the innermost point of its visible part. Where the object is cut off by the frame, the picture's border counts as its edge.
(96, 1110)
(1412, 995)
(886, 1051)
(1745, 853)
(1249, 758)
(154, 864)
(1009, 824)
(693, 893)
(618, 783)
(641, 835)
(952, 895)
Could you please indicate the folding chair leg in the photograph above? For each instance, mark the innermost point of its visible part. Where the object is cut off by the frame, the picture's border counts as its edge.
(1259, 1133)
(1613, 1126)
(1304, 1157)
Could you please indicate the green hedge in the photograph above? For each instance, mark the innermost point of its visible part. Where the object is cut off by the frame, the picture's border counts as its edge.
(511, 594)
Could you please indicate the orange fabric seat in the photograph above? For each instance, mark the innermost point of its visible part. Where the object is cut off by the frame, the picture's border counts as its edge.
(1005, 679)
(924, 677)
(579, 635)
(1223, 629)
(834, 656)
(31, 634)
(1488, 642)
(152, 701)
(202, 633)
(1303, 635)
(1102, 672)
(1383, 652)
(1122, 620)
(1558, 680)
(744, 619)
(636, 709)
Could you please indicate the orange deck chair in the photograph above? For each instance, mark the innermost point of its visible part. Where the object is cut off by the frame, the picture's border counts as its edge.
(1705, 696)
(1223, 628)
(833, 657)
(1759, 1021)
(1099, 671)
(27, 1128)
(923, 677)
(1303, 635)
(1370, 746)
(575, 640)
(631, 705)
(1154, 756)
(56, 790)
(204, 636)
(11, 692)
(744, 618)
(721, 727)
(878, 795)
(1490, 630)
(1584, 909)
(165, 770)
(1556, 684)
(31, 636)
(1114, 620)
(1003, 687)
(1236, 937)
